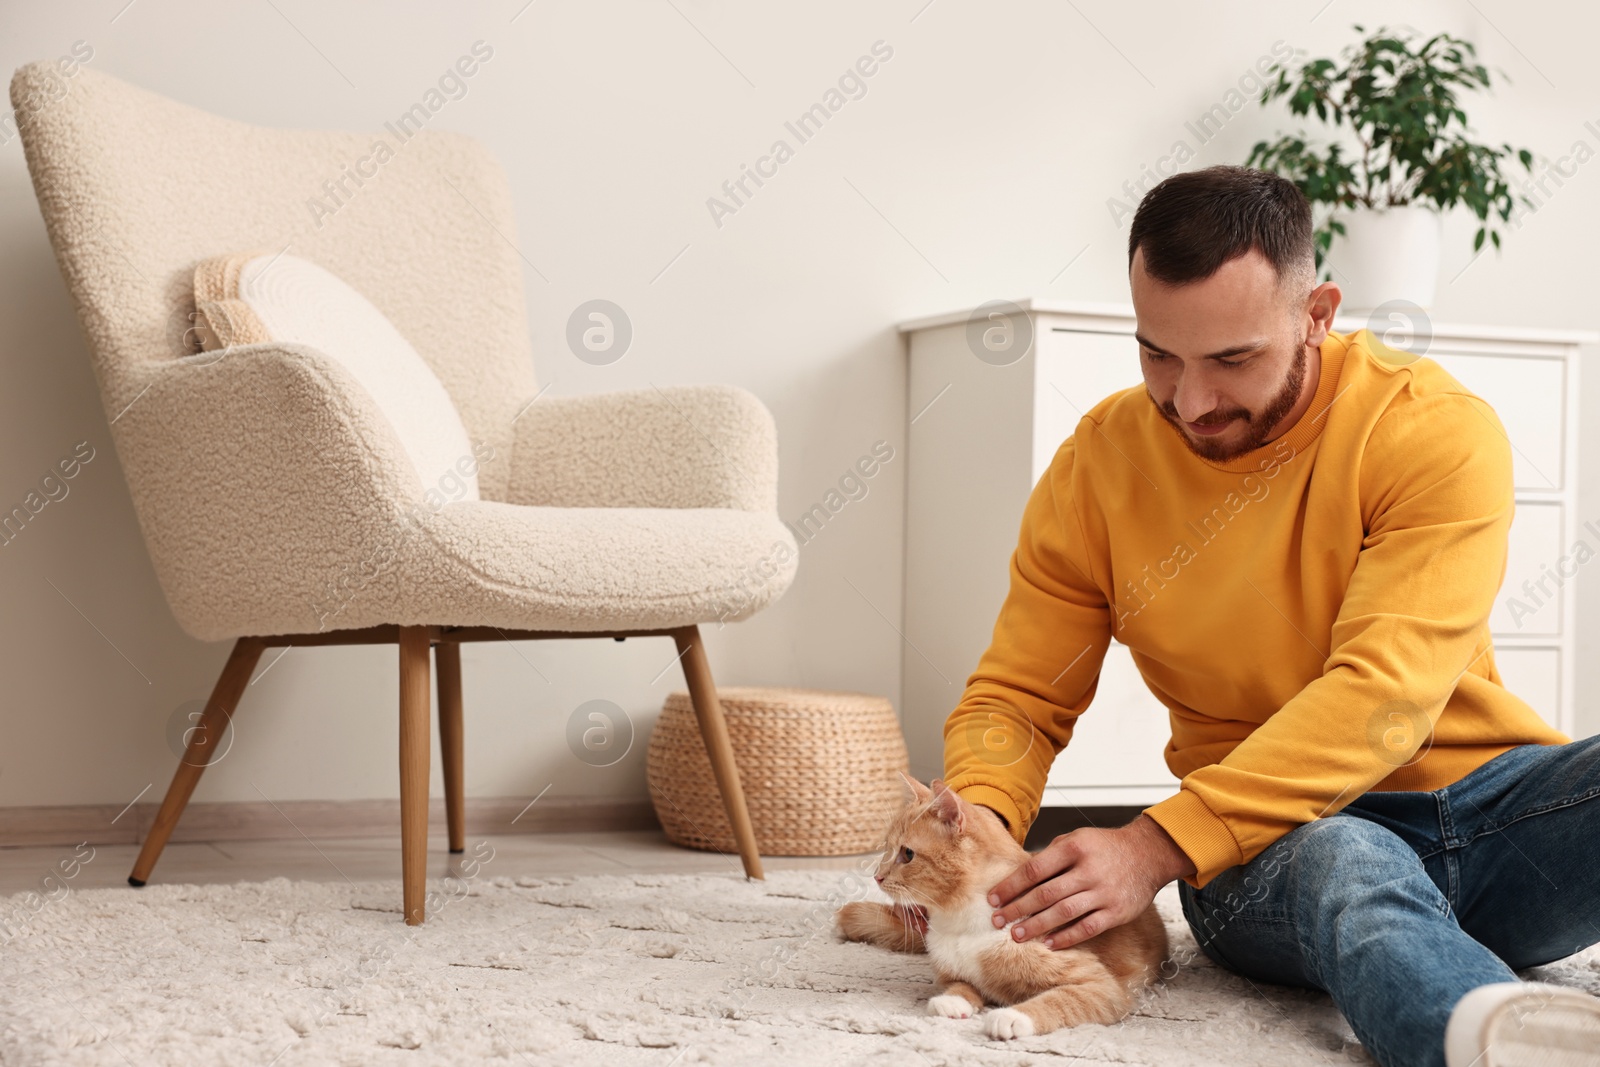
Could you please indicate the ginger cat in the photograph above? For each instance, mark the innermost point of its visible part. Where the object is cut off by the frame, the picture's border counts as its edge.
(945, 855)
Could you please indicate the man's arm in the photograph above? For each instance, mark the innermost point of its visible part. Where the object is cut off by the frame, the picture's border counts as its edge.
(1436, 497)
(1166, 860)
(1042, 665)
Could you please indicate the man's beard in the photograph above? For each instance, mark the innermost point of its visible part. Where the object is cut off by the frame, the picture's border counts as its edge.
(1257, 428)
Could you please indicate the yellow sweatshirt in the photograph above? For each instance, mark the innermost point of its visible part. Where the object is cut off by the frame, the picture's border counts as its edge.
(1313, 614)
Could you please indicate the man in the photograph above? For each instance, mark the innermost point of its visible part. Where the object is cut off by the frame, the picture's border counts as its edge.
(1363, 807)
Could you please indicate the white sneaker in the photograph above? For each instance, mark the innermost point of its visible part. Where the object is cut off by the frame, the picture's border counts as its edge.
(1524, 1024)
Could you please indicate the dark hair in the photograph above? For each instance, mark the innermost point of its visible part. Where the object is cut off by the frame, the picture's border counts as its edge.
(1192, 223)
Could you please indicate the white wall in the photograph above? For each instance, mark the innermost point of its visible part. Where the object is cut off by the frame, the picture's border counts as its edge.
(978, 164)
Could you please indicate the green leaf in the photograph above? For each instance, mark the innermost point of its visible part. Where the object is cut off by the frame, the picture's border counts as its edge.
(1407, 138)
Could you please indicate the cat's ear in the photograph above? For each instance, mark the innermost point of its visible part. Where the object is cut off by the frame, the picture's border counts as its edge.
(917, 789)
(948, 807)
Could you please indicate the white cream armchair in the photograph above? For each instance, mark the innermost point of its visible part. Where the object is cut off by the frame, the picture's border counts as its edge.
(276, 502)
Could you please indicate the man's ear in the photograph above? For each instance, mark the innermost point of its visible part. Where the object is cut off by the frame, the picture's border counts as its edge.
(948, 807)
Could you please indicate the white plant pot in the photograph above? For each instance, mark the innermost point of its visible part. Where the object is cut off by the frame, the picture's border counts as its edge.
(1386, 255)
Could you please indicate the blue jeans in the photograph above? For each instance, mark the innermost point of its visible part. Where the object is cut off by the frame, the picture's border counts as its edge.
(1402, 902)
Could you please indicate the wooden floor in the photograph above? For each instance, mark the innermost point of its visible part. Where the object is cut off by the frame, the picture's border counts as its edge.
(371, 858)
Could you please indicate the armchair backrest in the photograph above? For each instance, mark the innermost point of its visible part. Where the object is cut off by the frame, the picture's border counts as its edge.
(136, 189)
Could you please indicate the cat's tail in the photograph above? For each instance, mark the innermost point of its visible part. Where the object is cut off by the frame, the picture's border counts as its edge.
(881, 924)
(1085, 991)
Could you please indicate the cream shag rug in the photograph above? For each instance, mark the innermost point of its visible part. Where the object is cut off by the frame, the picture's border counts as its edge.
(660, 970)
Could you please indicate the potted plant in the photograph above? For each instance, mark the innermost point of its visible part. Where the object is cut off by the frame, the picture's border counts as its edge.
(1411, 160)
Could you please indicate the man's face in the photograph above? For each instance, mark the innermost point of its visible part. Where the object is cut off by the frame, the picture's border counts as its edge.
(1225, 359)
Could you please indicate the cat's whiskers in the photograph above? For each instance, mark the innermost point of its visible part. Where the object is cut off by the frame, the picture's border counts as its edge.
(901, 898)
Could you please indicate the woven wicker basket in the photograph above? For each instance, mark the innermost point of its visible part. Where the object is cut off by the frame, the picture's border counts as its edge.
(818, 770)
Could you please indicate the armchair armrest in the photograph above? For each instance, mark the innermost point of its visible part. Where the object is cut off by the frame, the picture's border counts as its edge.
(687, 446)
(268, 486)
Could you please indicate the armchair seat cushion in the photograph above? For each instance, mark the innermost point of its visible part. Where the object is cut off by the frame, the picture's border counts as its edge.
(487, 563)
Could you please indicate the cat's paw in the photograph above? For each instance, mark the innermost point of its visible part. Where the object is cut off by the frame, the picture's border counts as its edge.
(857, 920)
(1004, 1024)
(950, 1006)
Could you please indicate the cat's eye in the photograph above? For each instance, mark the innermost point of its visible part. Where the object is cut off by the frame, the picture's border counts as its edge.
(906, 855)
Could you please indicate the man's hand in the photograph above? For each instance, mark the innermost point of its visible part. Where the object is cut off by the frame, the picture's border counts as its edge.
(1087, 882)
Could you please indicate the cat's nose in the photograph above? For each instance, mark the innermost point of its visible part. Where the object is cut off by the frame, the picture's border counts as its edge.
(879, 877)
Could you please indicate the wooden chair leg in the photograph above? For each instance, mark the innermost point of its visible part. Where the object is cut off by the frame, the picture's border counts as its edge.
(714, 731)
(448, 664)
(202, 746)
(415, 738)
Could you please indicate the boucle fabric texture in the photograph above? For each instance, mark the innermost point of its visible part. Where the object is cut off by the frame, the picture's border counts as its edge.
(607, 970)
(253, 299)
(273, 495)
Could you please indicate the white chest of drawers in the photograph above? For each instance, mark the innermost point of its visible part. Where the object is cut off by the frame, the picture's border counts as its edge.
(991, 398)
